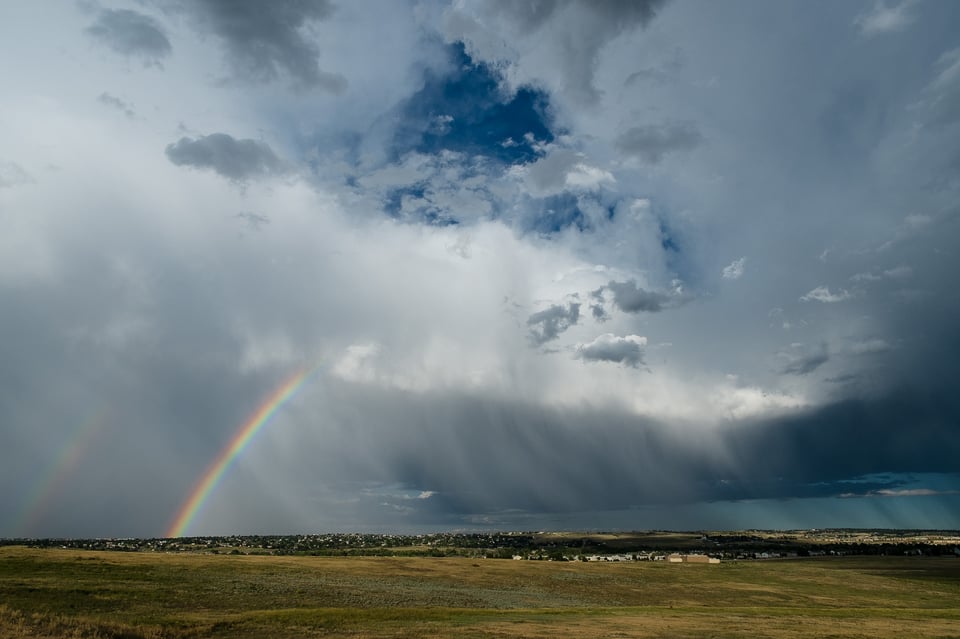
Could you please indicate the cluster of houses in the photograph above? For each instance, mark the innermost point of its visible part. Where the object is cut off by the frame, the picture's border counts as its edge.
(673, 558)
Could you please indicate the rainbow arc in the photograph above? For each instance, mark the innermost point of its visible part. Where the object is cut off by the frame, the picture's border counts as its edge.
(205, 486)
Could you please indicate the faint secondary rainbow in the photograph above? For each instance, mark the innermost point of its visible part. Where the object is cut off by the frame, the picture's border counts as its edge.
(214, 473)
(73, 450)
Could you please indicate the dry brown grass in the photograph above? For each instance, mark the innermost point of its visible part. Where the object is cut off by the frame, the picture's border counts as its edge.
(59, 593)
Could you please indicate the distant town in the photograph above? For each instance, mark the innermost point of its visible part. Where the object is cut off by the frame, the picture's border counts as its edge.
(673, 547)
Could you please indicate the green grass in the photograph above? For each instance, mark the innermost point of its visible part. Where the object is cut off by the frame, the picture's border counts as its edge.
(67, 593)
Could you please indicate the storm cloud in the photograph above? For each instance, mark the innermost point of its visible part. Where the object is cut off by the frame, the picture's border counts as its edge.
(550, 265)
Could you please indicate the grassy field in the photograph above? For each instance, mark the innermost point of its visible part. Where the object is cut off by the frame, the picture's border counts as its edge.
(67, 593)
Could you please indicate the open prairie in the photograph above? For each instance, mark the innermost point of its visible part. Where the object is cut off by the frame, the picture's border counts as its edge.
(46, 593)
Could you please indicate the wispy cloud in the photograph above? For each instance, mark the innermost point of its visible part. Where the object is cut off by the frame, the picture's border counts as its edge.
(883, 18)
(735, 269)
(825, 295)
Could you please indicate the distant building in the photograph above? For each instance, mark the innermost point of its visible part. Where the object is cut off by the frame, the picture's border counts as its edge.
(676, 558)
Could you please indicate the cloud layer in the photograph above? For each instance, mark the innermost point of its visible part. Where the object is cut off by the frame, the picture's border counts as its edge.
(568, 264)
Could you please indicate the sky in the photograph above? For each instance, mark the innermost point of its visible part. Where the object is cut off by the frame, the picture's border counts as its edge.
(594, 265)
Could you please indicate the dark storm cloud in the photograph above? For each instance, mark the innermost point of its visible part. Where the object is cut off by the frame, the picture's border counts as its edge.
(907, 430)
(627, 350)
(131, 33)
(546, 325)
(652, 142)
(630, 298)
(491, 455)
(237, 160)
(268, 40)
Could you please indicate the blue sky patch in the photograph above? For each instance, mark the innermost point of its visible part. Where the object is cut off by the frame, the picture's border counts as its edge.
(466, 111)
(422, 210)
(559, 212)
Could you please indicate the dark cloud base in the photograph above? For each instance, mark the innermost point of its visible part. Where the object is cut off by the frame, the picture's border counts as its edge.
(489, 456)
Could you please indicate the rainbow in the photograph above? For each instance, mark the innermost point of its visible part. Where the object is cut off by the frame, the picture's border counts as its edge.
(214, 473)
(69, 458)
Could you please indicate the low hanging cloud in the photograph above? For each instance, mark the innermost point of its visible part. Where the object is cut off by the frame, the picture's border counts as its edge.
(264, 41)
(653, 142)
(626, 350)
(546, 325)
(630, 298)
(236, 160)
(131, 33)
